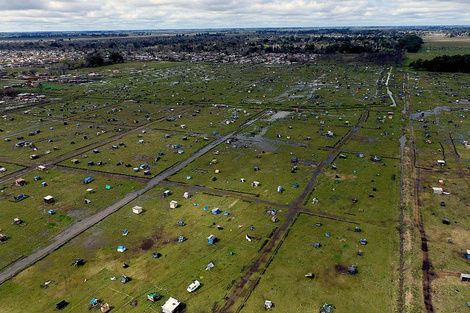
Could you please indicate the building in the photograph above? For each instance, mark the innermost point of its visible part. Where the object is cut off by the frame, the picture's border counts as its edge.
(173, 204)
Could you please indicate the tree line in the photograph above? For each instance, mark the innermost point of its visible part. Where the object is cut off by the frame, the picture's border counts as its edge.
(445, 63)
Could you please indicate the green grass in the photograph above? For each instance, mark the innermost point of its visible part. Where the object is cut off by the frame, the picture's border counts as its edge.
(38, 227)
(371, 290)
(154, 230)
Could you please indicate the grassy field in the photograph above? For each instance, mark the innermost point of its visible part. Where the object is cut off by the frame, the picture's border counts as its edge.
(297, 105)
(155, 230)
(39, 227)
(286, 286)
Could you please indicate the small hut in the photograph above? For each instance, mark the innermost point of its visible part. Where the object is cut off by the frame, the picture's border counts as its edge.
(173, 204)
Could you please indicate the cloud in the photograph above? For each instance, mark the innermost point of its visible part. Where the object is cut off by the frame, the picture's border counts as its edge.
(47, 15)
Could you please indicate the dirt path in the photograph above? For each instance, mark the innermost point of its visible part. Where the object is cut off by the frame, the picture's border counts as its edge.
(427, 270)
(390, 94)
(90, 221)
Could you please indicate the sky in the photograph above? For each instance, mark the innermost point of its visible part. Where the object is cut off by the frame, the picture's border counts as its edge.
(76, 15)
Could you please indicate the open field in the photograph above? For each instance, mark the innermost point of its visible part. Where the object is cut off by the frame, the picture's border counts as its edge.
(231, 135)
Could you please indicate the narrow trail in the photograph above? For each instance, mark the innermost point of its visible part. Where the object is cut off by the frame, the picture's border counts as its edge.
(427, 269)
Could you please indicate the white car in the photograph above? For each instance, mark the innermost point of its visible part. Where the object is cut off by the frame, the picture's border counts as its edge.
(194, 285)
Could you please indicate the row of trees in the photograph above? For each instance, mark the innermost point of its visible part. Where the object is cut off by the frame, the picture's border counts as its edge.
(445, 63)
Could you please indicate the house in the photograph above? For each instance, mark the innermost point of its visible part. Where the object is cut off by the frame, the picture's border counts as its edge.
(171, 305)
(137, 209)
(211, 239)
(20, 182)
(154, 296)
(121, 249)
(49, 199)
(173, 204)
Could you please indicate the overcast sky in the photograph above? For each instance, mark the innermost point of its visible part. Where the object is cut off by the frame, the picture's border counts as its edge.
(47, 15)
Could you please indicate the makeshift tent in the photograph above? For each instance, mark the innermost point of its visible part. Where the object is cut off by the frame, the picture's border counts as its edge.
(210, 266)
(352, 270)
(88, 180)
(51, 212)
(211, 239)
(173, 204)
(137, 209)
(121, 249)
(268, 304)
(216, 211)
(61, 305)
(170, 305)
(48, 199)
(20, 182)
(124, 279)
(154, 296)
